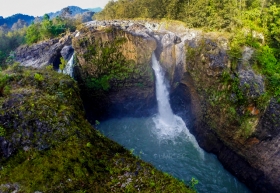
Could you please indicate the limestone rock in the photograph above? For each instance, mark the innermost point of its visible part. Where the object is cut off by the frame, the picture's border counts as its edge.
(251, 84)
(269, 126)
(43, 53)
(135, 92)
(67, 52)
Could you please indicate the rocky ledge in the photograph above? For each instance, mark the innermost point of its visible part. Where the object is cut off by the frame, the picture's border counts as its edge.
(45, 53)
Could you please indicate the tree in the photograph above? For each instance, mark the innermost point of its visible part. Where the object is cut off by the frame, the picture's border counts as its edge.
(32, 34)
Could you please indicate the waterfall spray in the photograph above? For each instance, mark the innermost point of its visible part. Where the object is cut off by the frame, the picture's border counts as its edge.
(69, 66)
(168, 125)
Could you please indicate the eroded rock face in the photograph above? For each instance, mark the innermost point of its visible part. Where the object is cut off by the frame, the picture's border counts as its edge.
(251, 84)
(169, 42)
(199, 70)
(247, 147)
(136, 92)
(129, 91)
(43, 53)
(269, 126)
(67, 52)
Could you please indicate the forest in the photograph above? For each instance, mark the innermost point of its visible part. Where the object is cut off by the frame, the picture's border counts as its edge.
(39, 30)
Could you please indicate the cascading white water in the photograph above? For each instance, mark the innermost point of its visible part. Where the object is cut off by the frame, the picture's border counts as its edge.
(168, 125)
(69, 67)
(165, 141)
(164, 110)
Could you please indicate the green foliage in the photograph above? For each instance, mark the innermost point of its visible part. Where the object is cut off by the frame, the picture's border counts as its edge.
(110, 64)
(247, 126)
(49, 67)
(17, 68)
(4, 86)
(213, 15)
(62, 64)
(2, 57)
(32, 34)
(38, 77)
(193, 183)
(271, 19)
(270, 66)
(2, 132)
(99, 83)
(49, 28)
(9, 41)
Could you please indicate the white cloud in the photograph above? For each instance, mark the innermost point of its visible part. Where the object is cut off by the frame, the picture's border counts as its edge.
(40, 7)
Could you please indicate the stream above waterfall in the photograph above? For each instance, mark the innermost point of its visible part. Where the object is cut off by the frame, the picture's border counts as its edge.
(164, 140)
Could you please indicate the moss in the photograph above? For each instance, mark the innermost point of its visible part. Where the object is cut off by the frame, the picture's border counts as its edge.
(225, 103)
(62, 151)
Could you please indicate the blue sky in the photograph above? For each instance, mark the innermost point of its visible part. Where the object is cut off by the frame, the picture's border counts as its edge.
(40, 7)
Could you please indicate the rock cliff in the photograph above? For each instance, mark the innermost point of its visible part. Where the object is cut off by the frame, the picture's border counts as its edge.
(232, 116)
(114, 69)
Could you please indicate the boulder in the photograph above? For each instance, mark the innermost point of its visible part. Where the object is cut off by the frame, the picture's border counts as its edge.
(43, 53)
(67, 52)
(251, 84)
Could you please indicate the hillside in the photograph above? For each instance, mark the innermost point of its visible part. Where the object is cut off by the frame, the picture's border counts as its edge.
(73, 9)
(14, 18)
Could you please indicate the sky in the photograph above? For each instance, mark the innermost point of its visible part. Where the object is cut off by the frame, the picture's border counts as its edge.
(40, 7)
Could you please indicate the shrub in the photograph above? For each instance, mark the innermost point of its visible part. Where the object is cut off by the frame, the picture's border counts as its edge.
(62, 64)
(38, 77)
(4, 87)
(49, 67)
(2, 132)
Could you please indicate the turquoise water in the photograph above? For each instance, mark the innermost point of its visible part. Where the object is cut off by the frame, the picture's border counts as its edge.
(178, 155)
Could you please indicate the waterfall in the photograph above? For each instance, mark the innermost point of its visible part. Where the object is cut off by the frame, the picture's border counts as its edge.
(69, 66)
(164, 109)
(168, 125)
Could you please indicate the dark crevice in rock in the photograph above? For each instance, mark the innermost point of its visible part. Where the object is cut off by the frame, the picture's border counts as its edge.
(56, 61)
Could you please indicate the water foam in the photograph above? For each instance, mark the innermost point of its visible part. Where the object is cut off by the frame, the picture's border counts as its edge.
(69, 67)
(167, 125)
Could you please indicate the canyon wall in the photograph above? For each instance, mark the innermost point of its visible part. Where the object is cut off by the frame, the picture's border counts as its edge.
(231, 115)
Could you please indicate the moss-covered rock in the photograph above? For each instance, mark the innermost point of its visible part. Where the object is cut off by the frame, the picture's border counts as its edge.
(233, 119)
(47, 145)
(114, 69)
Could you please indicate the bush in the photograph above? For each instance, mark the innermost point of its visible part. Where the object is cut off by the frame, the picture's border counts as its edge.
(270, 67)
(4, 87)
(2, 132)
(48, 29)
(38, 77)
(62, 64)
